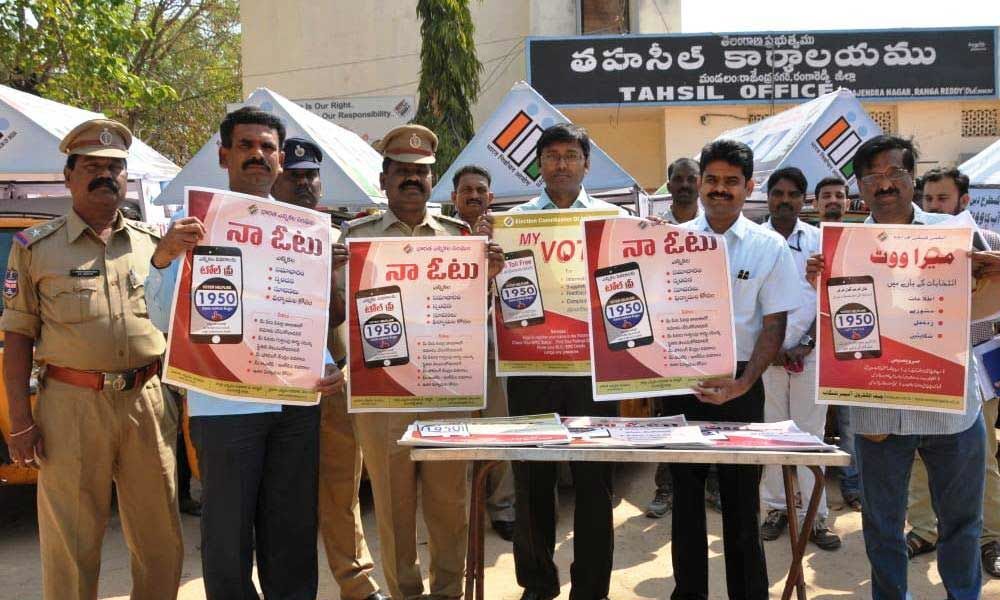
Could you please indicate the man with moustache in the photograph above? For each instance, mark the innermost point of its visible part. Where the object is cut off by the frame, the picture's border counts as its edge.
(831, 199)
(73, 303)
(953, 446)
(258, 461)
(408, 153)
(790, 381)
(340, 458)
(946, 191)
(472, 198)
(764, 289)
(831, 202)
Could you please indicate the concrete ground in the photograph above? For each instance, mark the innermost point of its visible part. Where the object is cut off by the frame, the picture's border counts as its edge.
(642, 554)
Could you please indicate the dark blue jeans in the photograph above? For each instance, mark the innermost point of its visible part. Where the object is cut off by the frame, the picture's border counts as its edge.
(955, 474)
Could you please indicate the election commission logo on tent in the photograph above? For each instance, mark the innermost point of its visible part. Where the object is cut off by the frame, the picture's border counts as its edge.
(515, 144)
(837, 143)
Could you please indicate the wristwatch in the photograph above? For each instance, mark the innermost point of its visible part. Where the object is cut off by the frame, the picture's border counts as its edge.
(807, 340)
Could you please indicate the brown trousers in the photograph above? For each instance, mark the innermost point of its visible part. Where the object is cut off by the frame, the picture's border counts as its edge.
(91, 440)
(443, 491)
(339, 512)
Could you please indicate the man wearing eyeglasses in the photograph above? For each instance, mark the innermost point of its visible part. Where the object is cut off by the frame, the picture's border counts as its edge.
(564, 152)
(953, 446)
(790, 381)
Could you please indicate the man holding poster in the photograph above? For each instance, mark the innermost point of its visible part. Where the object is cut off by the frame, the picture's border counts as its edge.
(379, 270)
(765, 287)
(891, 428)
(258, 460)
(564, 152)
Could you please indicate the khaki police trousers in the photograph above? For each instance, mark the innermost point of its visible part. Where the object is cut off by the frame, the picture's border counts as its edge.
(443, 491)
(92, 439)
(919, 511)
(339, 512)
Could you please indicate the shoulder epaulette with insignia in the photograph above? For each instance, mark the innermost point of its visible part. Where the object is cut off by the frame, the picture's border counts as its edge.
(454, 221)
(144, 227)
(363, 220)
(32, 234)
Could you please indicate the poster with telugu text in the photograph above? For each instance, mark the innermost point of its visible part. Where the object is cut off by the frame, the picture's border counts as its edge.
(541, 295)
(894, 303)
(416, 317)
(251, 303)
(661, 315)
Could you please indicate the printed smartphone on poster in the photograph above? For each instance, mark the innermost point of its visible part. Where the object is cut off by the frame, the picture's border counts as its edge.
(383, 329)
(216, 295)
(854, 317)
(623, 304)
(520, 295)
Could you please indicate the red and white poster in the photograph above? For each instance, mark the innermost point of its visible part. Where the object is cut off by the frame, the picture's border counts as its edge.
(661, 313)
(894, 307)
(416, 318)
(251, 305)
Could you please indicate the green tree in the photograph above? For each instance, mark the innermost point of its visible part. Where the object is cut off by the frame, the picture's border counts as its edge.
(165, 68)
(449, 75)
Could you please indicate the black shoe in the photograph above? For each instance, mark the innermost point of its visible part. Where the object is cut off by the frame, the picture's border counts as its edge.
(713, 500)
(991, 558)
(535, 595)
(504, 529)
(662, 502)
(378, 595)
(916, 545)
(773, 526)
(190, 506)
(823, 537)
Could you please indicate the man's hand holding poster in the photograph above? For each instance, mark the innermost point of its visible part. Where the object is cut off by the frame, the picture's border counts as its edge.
(894, 305)
(250, 309)
(541, 306)
(660, 308)
(416, 313)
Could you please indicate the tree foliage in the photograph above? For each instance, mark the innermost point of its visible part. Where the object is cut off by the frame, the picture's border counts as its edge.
(449, 75)
(165, 68)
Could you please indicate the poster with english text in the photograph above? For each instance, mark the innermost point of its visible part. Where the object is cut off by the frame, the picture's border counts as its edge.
(541, 314)
(894, 304)
(251, 303)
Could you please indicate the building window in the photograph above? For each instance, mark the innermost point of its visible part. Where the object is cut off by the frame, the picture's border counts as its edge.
(603, 16)
(979, 122)
(885, 118)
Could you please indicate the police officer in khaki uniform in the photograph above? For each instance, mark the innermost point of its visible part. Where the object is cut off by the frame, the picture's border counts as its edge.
(339, 453)
(73, 296)
(408, 152)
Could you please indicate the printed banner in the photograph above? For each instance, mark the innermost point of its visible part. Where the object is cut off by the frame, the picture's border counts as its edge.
(623, 432)
(416, 317)
(894, 306)
(661, 314)
(527, 430)
(665, 69)
(540, 320)
(251, 306)
(984, 206)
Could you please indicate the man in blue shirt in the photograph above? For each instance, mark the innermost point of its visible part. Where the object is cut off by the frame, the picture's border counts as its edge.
(259, 462)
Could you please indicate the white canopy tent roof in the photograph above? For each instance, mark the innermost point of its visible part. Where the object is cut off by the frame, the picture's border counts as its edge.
(349, 171)
(984, 168)
(31, 129)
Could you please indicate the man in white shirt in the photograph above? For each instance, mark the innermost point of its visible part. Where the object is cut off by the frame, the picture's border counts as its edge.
(764, 289)
(790, 381)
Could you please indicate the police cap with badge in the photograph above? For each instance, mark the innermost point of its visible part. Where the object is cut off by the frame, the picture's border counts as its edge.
(301, 154)
(409, 144)
(98, 137)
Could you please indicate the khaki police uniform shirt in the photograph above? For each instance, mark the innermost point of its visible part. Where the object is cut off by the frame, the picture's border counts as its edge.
(83, 300)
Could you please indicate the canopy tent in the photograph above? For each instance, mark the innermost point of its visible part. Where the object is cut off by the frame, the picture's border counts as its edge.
(819, 137)
(31, 129)
(349, 171)
(505, 146)
(983, 170)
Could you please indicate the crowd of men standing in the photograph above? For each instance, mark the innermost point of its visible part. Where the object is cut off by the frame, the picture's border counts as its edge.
(88, 297)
